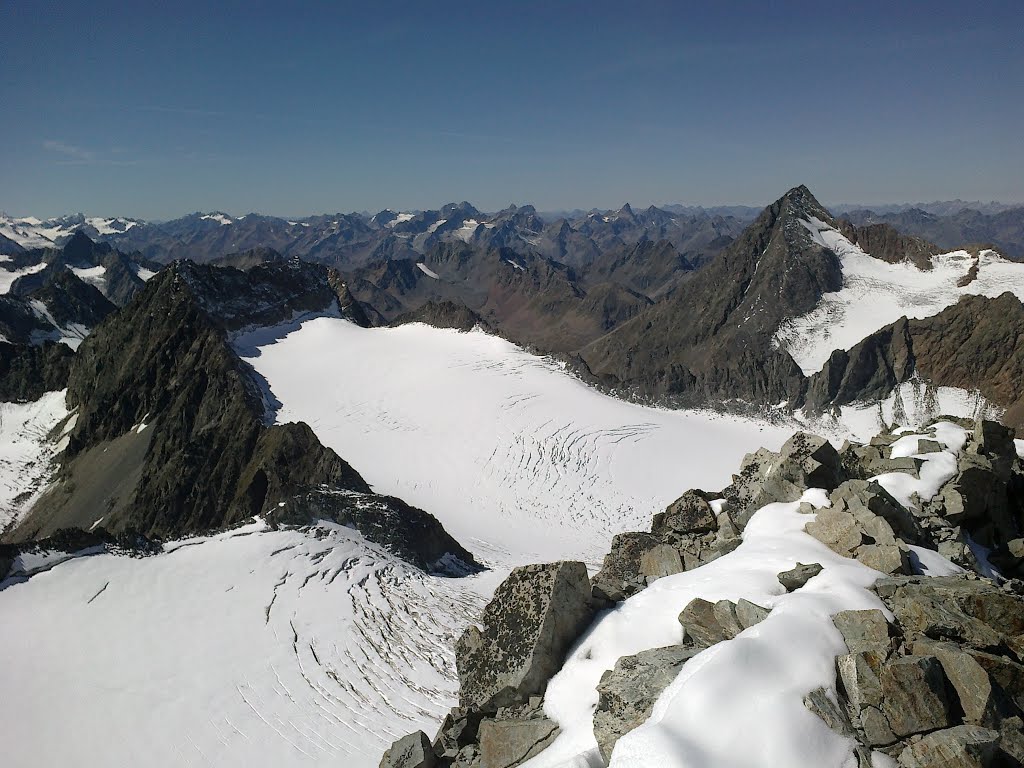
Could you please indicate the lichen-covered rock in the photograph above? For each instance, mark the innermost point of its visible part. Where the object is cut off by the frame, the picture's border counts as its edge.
(534, 617)
(627, 693)
(687, 515)
(804, 461)
(659, 561)
(412, 751)
(621, 575)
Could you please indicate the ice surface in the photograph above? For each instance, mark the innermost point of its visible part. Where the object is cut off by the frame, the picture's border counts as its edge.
(465, 232)
(250, 648)
(95, 276)
(876, 293)
(220, 218)
(143, 273)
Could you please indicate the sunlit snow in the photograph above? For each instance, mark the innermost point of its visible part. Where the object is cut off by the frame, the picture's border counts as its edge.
(876, 293)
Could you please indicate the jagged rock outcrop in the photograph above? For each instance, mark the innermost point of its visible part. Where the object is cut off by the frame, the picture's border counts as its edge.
(686, 535)
(443, 314)
(971, 345)
(886, 243)
(26, 372)
(170, 437)
(627, 693)
(931, 689)
(535, 615)
(804, 461)
(711, 340)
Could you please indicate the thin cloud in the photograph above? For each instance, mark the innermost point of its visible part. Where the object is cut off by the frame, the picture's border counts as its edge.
(73, 153)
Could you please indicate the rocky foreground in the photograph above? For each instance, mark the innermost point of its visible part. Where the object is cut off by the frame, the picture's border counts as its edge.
(932, 677)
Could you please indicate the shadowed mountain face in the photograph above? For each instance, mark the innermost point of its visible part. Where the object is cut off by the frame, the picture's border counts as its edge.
(711, 339)
(171, 436)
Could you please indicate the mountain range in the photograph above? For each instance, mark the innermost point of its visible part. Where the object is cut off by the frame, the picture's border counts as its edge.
(281, 465)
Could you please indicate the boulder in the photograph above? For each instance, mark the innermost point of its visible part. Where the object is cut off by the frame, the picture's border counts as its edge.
(969, 679)
(799, 576)
(963, 746)
(536, 615)
(914, 695)
(689, 514)
(700, 624)
(626, 693)
(620, 575)
(412, 751)
(864, 631)
(750, 613)
(661, 560)
(804, 461)
(507, 743)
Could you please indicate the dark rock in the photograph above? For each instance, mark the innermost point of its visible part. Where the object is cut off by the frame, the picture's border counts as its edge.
(968, 678)
(799, 576)
(627, 693)
(535, 616)
(412, 751)
(689, 514)
(914, 695)
(27, 372)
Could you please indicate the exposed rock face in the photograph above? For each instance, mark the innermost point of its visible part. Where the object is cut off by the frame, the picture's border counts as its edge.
(926, 689)
(443, 314)
(686, 535)
(712, 338)
(886, 243)
(804, 461)
(170, 437)
(26, 372)
(799, 576)
(955, 348)
(628, 692)
(535, 615)
(412, 751)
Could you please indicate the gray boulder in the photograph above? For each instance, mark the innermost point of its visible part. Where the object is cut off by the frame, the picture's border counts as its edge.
(914, 695)
(507, 743)
(627, 693)
(864, 631)
(412, 751)
(621, 575)
(687, 515)
(536, 615)
(796, 578)
(964, 746)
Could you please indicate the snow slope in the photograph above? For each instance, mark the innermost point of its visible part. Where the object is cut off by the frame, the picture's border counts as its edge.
(876, 293)
(25, 451)
(8, 276)
(495, 442)
(249, 648)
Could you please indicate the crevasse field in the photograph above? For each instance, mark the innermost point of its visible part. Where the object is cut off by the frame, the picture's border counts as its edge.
(264, 648)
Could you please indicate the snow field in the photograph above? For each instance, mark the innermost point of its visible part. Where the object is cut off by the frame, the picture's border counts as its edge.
(246, 648)
(25, 452)
(876, 293)
(498, 444)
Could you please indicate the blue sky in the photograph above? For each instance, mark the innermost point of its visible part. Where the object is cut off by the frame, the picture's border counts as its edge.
(120, 108)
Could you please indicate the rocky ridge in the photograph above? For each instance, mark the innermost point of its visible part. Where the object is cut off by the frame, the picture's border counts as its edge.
(171, 434)
(940, 684)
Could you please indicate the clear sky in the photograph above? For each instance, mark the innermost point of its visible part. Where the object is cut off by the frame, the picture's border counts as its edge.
(155, 110)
